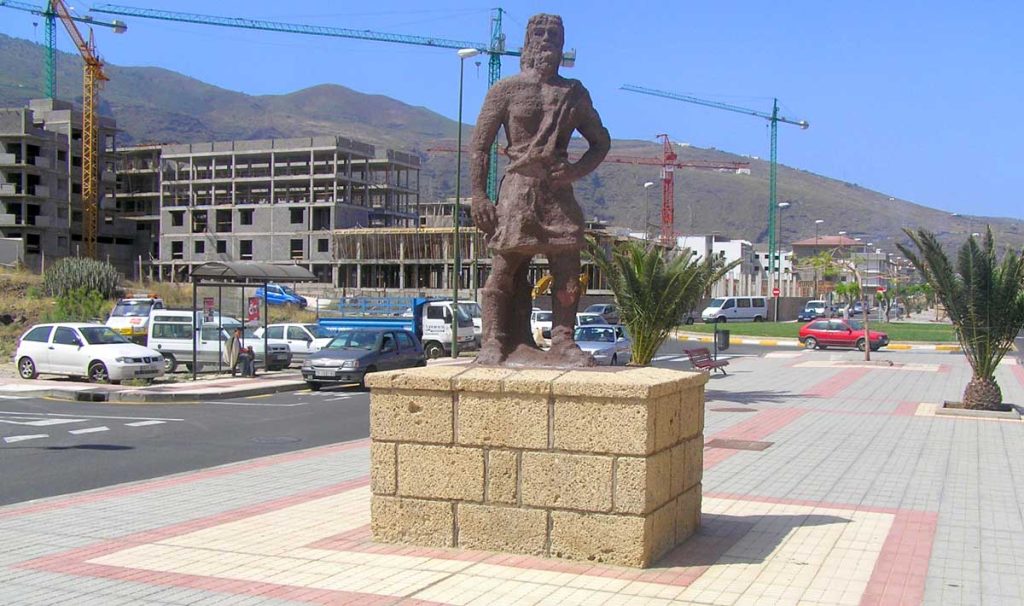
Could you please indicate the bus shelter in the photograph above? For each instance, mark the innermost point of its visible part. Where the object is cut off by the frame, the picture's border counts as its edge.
(241, 275)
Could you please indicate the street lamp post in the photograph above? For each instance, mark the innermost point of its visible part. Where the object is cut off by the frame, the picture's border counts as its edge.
(817, 222)
(647, 210)
(464, 54)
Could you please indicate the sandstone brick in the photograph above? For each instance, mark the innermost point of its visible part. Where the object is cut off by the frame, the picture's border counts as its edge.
(502, 476)
(687, 513)
(483, 378)
(440, 472)
(601, 425)
(400, 520)
(687, 464)
(566, 481)
(611, 539)
(430, 378)
(531, 381)
(667, 420)
(643, 484)
(620, 384)
(508, 529)
(509, 420)
(691, 412)
(383, 458)
(660, 531)
(411, 416)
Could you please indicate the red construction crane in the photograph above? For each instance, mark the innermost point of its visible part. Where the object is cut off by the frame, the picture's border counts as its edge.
(668, 163)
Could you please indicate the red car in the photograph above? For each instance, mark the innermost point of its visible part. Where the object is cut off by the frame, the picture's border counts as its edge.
(821, 334)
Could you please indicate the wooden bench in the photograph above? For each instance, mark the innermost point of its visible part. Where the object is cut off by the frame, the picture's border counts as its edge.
(702, 360)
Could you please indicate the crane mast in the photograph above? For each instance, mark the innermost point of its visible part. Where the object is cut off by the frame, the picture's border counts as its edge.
(773, 118)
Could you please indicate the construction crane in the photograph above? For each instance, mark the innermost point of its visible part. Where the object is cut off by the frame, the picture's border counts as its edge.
(92, 80)
(495, 48)
(668, 163)
(774, 118)
(50, 32)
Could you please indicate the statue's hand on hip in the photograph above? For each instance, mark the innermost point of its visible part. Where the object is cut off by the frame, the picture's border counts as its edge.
(484, 215)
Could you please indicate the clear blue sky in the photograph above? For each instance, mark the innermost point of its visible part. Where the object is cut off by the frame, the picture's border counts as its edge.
(921, 100)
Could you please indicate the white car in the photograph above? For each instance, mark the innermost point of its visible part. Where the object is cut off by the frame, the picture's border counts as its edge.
(86, 350)
(542, 320)
(586, 318)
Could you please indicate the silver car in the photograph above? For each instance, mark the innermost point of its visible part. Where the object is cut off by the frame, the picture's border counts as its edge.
(608, 343)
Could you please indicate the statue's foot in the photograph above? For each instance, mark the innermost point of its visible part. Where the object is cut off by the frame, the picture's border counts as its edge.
(565, 353)
(526, 354)
(490, 353)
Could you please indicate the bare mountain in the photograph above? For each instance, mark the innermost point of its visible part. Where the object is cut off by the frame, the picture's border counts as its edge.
(154, 105)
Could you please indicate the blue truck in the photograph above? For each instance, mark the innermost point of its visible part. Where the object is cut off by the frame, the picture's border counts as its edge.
(429, 319)
(279, 294)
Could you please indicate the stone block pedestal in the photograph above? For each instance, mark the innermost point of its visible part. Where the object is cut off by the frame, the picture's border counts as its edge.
(600, 465)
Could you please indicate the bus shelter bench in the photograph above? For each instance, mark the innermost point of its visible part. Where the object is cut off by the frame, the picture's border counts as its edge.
(701, 359)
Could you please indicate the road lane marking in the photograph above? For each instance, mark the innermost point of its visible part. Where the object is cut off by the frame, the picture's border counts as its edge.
(42, 422)
(89, 430)
(144, 423)
(81, 416)
(13, 439)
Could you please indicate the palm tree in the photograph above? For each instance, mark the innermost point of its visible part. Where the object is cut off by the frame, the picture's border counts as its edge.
(984, 299)
(653, 287)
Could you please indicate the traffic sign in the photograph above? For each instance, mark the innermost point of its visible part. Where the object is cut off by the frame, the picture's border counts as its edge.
(881, 289)
(776, 292)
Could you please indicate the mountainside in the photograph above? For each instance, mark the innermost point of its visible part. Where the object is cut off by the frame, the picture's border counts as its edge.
(154, 105)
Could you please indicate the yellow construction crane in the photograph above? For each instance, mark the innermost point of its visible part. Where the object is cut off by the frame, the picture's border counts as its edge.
(92, 80)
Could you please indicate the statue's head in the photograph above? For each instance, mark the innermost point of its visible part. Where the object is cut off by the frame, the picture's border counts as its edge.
(542, 49)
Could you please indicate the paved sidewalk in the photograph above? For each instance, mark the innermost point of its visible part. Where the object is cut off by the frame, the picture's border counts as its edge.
(827, 481)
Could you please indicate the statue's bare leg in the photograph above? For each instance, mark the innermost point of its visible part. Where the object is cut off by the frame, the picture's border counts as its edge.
(498, 301)
(565, 299)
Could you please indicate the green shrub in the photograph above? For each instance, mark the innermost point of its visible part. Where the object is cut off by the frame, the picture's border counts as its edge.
(73, 273)
(79, 305)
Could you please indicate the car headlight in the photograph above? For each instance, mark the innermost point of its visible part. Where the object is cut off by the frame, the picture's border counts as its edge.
(122, 360)
(350, 364)
(308, 364)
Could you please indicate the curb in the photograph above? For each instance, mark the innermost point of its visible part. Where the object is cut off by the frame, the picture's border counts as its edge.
(140, 396)
(938, 347)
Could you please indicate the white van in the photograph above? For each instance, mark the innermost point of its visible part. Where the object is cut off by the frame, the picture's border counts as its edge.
(170, 333)
(736, 309)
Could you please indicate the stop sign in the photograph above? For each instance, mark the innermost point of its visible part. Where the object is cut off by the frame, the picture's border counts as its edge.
(776, 291)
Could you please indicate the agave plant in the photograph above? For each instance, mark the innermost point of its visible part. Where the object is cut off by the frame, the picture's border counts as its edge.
(653, 288)
(984, 299)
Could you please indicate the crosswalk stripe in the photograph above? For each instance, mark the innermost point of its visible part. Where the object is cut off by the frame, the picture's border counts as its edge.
(13, 439)
(661, 358)
(89, 430)
(42, 422)
(144, 423)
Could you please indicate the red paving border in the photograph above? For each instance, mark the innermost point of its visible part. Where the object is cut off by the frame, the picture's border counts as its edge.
(835, 384)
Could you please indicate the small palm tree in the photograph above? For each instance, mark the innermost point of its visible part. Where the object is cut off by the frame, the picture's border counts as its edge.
(984, 299)
(654, 287)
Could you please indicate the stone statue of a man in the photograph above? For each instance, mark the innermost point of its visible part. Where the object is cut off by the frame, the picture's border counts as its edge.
(536, 212)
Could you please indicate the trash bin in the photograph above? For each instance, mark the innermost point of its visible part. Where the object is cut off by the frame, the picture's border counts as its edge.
(722, 339)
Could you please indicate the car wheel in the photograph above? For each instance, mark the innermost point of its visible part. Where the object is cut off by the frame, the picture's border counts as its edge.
(313, 386)
(433, 350)
(689, 321)
(721, 319)
(810, 343)
(98, 373)
(615, 360)
(169, 363)
(876, 347)
(758, 319)
(27, 368)
(860, 344)
(362, 381)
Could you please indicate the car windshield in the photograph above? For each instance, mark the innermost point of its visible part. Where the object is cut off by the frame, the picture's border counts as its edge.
(856, 324)
(288, 291)
(318, 332)
(470, 309)
(716, 302)
(101, 335)
(543, 316)
(250, 333)
(132, 309)
(584, 319)
(594, 334)
(354, 339)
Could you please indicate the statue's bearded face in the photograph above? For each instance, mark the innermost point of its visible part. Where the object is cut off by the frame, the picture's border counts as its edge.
(545, 37)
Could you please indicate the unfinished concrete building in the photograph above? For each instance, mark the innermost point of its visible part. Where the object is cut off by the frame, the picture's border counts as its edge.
(273, 200)
(41, 187)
